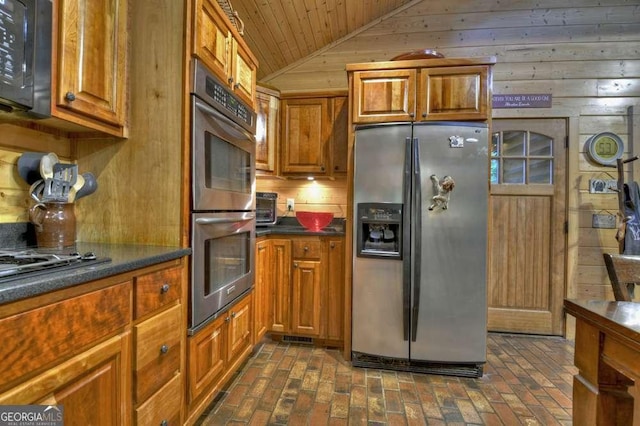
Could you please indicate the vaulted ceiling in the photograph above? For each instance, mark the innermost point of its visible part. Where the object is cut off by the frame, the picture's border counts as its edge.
(281, 32)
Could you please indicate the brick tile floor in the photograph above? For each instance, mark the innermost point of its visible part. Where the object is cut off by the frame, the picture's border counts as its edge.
(527, 381)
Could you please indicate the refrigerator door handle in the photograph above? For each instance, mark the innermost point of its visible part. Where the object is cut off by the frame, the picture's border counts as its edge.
(406, 241)
(417, 247)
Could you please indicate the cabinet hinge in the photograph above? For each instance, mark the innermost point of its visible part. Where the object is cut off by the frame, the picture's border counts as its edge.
(566, 226)
(566, 142)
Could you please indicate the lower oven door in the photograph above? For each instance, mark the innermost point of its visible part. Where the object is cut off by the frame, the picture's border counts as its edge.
(222, 264)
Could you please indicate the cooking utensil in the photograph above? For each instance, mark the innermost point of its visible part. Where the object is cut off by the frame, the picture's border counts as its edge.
(55, 190)
(46, 165)
(65, 172)
(36, 190)
(29, 166)
(73, 192)
(89, 187)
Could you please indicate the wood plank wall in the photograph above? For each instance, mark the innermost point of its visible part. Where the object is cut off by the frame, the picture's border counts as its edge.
(583, 52)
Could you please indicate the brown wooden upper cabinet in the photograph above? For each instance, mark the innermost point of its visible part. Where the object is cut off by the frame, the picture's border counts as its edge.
(313, 135)
(219, 45)
(90, 73)
(267, 111)
(421, 90)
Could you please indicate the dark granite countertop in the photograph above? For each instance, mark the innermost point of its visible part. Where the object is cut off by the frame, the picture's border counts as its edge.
(290, 226)
(124, 258)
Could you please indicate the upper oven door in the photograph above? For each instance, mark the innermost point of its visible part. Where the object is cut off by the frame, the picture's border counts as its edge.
(223, 161)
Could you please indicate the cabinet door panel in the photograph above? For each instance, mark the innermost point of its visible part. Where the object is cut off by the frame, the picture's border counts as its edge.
(335, 290)
(384, 95)
(262, 289)
(207, 354)
(212, 39)
(92, 58)
(266, 131)
(280, 298)
(307, 279)
(305, 134)
(239, 330)
(92, 387)
(243, 73)
(454, 93)
(339, 135)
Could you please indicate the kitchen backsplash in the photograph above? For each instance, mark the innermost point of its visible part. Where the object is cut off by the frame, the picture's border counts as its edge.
(314, 196)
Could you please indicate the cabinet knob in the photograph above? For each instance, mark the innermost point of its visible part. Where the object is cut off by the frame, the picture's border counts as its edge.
(165, 288)
(235, 86)
(69, 97)
(295, 265)
(332, 245)
(411, 115)
(164, 423)
(424, 115)
(230, 80)
(233, 314)
(306, 248)
(227, 319)
(322, 168)
(164, 349)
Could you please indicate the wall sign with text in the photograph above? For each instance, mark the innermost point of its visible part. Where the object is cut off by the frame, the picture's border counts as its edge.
(522, 101)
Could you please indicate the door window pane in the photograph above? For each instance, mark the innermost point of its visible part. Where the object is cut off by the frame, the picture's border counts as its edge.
(227, 167)
(514, 144)
(521, 157)
(540, 171)
(513, 171)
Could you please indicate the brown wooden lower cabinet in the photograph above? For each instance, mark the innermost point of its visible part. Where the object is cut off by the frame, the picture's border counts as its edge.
(305, 278)
(216, 352)
(110, 351)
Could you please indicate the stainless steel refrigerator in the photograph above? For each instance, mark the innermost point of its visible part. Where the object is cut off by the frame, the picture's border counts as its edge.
(420, 243)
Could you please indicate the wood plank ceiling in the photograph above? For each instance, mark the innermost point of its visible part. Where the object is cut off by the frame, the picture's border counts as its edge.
(281, 32)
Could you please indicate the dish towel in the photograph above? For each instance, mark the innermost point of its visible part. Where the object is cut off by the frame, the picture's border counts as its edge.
(632, 212)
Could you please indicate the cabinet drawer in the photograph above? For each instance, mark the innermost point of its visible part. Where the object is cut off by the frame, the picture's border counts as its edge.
(307, 249)
(163, 406)
(154, 290)
(157, 351)
(60, 330)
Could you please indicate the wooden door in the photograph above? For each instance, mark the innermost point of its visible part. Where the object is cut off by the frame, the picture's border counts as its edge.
(384, 95)
(239, 332)
(306, 282)
(453, 93)
(334, 311)
(261, 289)
(305, 135)
(92, 52)
(212, 38)
(280, 285)
(266, 130)
(207, 357)
(527, 216)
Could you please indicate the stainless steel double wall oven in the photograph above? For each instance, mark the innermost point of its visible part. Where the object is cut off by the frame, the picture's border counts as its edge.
(223, 197)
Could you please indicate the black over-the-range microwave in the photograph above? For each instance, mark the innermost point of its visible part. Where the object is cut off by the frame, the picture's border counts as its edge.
(266, 208)
(25, 57)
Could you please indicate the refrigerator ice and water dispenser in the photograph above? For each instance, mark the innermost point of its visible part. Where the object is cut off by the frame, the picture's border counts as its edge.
(379, 230)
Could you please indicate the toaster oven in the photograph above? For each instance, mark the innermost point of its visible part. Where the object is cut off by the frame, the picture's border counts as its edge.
(266, 208)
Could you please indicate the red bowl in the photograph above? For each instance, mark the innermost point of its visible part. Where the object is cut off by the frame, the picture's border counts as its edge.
(314, 221)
